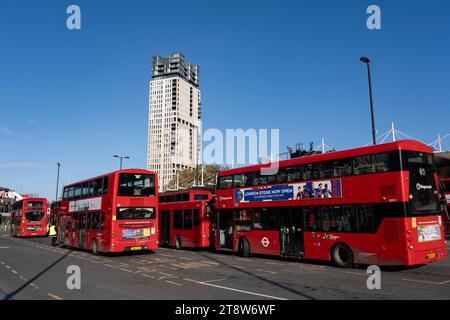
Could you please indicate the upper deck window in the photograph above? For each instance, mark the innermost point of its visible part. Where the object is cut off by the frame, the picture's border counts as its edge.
(225, 182)
(201, 196)
(136, 185)
(374, 163)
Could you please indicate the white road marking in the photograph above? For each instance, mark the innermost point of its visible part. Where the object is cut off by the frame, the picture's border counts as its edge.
(233, 289)
(178, 284)
(184, 258)
(267, 271)
(214, 280)
(357, 273)
(34, 286)
(274, 263)
(428, 282)
(54, 296)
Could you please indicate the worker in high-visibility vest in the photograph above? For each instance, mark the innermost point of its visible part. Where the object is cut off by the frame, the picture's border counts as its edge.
(53, 233)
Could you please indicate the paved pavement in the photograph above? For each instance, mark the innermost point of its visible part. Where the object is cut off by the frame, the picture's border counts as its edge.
(32, 269)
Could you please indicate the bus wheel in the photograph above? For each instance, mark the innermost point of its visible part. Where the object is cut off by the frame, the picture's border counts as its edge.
(178, 243)
(243, 248)
(342, 256)
(95, 248)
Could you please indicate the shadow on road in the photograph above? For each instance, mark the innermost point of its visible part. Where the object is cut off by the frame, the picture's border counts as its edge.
(11, 295)
(276, 284)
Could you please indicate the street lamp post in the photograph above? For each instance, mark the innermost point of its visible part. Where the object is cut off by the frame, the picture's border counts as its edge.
(367, 62)
(57, 181)
(121, 157)
(56, 197)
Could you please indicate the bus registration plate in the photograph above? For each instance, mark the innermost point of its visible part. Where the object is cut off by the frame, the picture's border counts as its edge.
(135, 248)
(431, 255)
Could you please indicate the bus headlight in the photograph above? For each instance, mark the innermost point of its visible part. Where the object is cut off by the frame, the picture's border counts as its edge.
(411, 248)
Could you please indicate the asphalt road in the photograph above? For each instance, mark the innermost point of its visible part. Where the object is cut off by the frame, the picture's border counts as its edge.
(32, 269)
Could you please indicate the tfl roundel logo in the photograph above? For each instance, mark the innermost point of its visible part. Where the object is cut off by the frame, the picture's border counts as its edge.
(265, 242)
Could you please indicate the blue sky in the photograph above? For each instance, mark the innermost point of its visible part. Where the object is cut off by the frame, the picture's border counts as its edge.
(78, 97)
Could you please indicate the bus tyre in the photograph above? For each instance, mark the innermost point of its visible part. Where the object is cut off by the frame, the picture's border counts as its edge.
(243, 248)
(178, 243)
(342, 256)
(95, 248)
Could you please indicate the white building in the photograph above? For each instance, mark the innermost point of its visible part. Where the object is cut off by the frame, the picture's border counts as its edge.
(174, 117)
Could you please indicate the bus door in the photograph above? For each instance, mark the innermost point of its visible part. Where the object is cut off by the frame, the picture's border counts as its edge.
(164, 227)
(291, 232)
(225, 229)
(62, 227)
(82, 230)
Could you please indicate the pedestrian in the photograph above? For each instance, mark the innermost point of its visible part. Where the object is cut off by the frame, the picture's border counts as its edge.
(53, 233)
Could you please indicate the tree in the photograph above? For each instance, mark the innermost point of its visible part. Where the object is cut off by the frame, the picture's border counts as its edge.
(187, 178)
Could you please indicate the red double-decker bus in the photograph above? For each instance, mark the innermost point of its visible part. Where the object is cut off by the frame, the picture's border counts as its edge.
(29, 218)
(371, 205)
(184, 218)
(114, 212)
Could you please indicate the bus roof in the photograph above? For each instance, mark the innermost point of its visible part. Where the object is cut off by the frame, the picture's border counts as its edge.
(190, 190)
(411, 145)
(136, 170)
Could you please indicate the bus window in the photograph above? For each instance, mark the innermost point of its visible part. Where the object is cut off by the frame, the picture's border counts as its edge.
(239, 180)
(85, 189)
(225, 182)
(95, 221)
(178, 219)
(105, 185)
(328, 221)
(101, 225)
(77, 191)
(97, 187)
(200, 196)
(196, 219)
(313, 219)
(373, 163)
(82, 224)
(187, 217)
(242, 220)
(310, 171)
(341, 168)
(136, 185)
(365, 218)
(326, 170)
(71, 193)
(34, 216)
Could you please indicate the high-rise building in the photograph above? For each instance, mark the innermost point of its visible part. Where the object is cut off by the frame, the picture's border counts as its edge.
(174, 117)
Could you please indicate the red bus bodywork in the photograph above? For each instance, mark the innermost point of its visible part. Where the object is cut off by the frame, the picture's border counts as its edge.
(184, 218)
(115, 212)
(446, 186)
(369, 190)
(29, 218)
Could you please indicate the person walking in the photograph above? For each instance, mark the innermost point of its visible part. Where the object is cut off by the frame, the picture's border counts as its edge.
(53, 233)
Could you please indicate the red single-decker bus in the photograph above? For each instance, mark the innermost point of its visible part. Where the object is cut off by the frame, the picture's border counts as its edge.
(184, 218)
